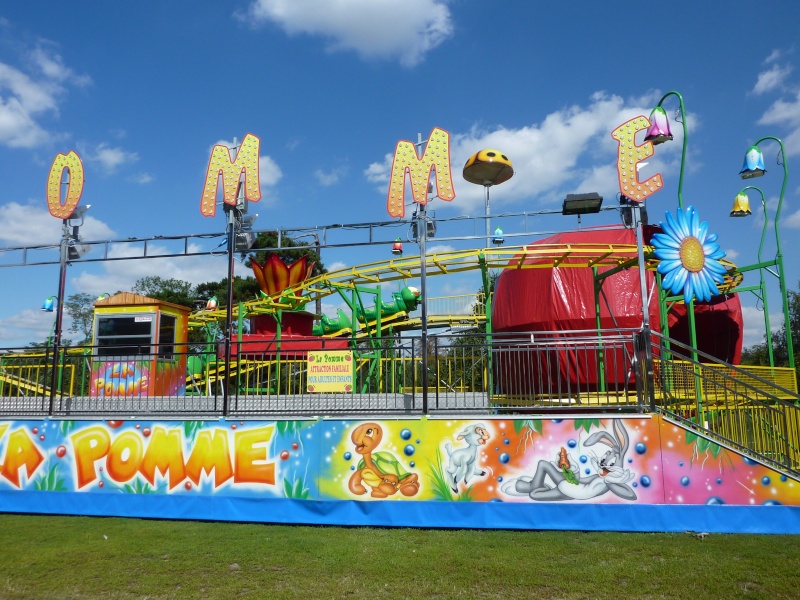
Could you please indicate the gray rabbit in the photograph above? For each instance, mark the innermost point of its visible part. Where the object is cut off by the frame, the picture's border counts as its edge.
(564, 473)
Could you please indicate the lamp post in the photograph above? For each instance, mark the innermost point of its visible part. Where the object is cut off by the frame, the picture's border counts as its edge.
(240, 239)
(659, 132)
(421, 217)
(741, 208)
(48, 306)
(754, 167)
(487, 168)
(70, 248)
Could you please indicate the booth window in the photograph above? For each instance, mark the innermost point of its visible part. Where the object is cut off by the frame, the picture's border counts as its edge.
(166, 336)
(124, 335)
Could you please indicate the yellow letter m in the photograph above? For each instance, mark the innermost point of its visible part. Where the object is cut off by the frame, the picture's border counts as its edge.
(220, 164)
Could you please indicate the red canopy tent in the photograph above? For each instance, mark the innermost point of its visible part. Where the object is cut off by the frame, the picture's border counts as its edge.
(562, 300)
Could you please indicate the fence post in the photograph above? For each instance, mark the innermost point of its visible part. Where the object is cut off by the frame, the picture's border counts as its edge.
(645, 380)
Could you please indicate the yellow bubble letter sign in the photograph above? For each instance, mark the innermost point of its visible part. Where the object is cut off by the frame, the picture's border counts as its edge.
(72, 164)
(629, 155)
(220, 164)
(436, 156)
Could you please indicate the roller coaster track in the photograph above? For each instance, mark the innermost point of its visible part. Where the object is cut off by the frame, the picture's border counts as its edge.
(535, 256)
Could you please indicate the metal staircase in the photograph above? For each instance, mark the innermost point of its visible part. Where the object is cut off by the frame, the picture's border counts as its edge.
(755, 411)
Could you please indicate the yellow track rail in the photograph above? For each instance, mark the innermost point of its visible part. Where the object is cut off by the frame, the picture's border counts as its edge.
(538, 256)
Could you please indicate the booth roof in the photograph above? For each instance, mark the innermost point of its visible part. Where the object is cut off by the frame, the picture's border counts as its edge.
(131, 299)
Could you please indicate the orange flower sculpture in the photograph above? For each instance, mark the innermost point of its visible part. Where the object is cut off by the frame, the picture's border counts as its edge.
(274, 275)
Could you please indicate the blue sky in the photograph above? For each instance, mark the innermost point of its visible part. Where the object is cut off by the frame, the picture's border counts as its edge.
(142, 91)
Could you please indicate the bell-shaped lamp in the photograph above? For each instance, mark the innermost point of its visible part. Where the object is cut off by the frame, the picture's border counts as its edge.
(103, 297)
(498, 238)
(49, 303)
(488, 167)
(212, 303)
(753, 163)
(659, 131)
(741, 206)
(397, 248)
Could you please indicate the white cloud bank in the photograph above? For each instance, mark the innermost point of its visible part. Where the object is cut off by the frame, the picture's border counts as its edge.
(549, 156)
(374, 29)
(29, 225)
(31, 93)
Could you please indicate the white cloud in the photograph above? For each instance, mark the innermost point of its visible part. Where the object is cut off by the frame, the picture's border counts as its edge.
(31, 93)
(379, 172)
(548, 156)
(771, 79)
(374, 29)
(29, 225)
(52, 66)
(786, 114)
(142, 178)
(792, 221)
(28, 324)
(755, 327)
(109, 158)
(121, 275)
(331, 177)
(439, 249)
(731, 254)
(774, 55)
(269, 172)
(336, 266)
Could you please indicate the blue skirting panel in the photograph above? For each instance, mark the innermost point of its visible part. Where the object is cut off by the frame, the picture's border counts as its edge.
(458, 515)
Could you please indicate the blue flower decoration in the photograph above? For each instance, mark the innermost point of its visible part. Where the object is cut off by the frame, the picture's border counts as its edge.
(689, 256)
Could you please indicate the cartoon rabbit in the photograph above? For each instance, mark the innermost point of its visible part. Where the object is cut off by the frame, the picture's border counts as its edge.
(565, 474)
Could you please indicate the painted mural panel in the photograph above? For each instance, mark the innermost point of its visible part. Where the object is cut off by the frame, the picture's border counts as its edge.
(269, 459)
(632, 460)
(697, 471)
(493, 460)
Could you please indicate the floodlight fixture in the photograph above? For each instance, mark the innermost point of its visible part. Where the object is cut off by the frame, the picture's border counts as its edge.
(248, 220)
(582, 204)
(78, 214)
(244, 241)
(76, 250)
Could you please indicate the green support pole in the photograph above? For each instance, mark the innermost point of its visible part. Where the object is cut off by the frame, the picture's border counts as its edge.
(601, 366)
(779, 256)
(239, 329)
(685, 139)
(690, 308)
(762, 288)
(488, 308)
(278, 316)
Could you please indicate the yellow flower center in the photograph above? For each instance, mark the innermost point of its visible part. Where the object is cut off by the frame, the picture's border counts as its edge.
(692, 256)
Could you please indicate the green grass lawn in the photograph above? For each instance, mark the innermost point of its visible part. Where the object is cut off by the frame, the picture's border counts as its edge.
(79, 557)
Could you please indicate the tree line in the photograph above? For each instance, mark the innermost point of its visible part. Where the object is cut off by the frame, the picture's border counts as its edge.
(758, 354)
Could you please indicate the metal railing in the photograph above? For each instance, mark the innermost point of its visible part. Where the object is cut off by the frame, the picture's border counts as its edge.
(750, 409)
(732, 405)
(466, 372)
(545, 371)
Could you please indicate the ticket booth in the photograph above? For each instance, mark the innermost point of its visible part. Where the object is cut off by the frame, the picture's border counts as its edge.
(139, 347)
